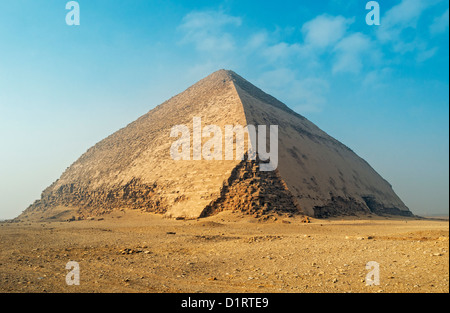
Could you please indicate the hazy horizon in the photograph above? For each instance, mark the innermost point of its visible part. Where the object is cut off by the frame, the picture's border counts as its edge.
(383, 91)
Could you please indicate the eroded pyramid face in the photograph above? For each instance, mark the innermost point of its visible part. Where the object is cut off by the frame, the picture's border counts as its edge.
(175, 160)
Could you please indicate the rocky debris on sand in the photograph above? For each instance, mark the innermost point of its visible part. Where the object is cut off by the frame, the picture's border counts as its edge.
(132, 251)
(306, 220)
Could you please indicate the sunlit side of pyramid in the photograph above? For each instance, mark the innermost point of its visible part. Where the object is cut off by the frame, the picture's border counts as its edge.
(132, 169)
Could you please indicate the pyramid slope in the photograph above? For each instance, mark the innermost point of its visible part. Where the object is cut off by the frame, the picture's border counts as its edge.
(133, 169)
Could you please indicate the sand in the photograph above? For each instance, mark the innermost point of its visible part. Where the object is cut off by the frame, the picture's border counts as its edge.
(129, 251)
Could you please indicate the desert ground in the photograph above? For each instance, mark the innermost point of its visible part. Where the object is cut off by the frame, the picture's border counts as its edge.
(129, 251)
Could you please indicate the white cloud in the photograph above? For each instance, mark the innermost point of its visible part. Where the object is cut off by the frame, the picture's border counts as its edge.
(440, 24)
(305, 95)
(399, 18)
(309, 94)
(377, 78)
(349, 53)
(319, 36)
(398, 30)
(207, 30)
(257, 41)
(281, 50)
(426, 54)
(325, 30)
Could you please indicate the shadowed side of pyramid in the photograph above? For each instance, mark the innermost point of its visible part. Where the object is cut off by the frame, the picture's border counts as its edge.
(323, 175)
(133, 168)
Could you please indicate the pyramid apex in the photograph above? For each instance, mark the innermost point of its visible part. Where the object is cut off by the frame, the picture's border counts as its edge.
(229, 75)
(223, 74)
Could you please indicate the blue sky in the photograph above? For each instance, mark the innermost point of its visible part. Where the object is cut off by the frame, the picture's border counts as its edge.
(381, 90)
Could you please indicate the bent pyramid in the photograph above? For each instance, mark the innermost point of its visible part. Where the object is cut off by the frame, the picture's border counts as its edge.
(133, 169)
